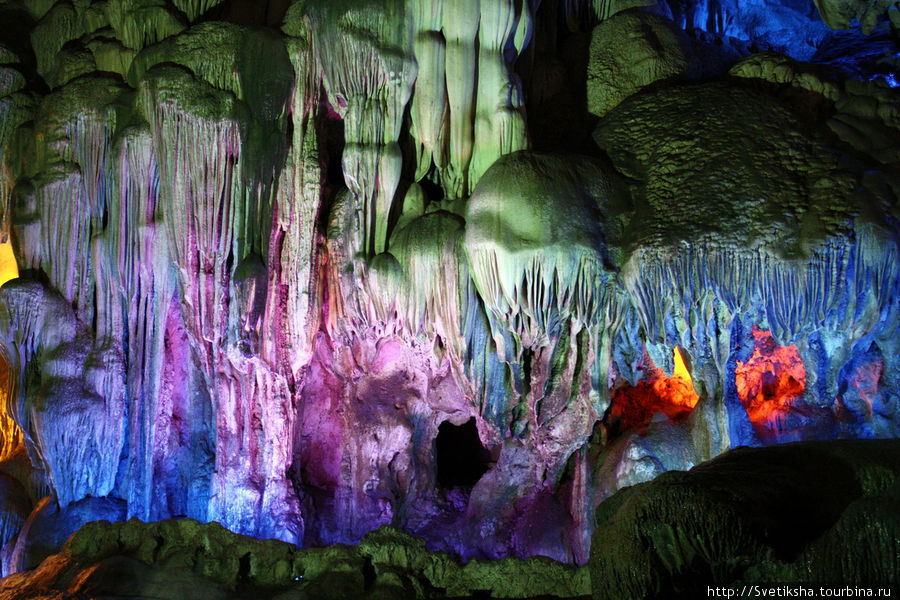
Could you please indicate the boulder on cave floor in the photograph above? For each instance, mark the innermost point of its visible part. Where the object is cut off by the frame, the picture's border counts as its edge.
(822, 513)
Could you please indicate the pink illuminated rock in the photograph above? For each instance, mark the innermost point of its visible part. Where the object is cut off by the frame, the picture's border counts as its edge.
(312, 282)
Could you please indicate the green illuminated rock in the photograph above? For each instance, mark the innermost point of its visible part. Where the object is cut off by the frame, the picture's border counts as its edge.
(185, 559)
(788, 514)
(630, 51)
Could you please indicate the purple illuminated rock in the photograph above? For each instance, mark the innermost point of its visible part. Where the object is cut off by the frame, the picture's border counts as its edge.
(314, 282)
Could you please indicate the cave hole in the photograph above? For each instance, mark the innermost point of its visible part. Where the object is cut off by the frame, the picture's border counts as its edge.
(330, 127)
(431, 185)
(244, 568)
(461, 458)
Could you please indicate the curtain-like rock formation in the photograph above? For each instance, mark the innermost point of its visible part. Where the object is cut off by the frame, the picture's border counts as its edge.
(263, 273)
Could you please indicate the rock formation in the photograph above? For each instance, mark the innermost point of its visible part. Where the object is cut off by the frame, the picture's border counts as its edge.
(463, 268)
(806, 513)
(182, 559)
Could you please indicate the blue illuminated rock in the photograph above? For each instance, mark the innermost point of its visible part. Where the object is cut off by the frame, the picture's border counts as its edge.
(310, 268)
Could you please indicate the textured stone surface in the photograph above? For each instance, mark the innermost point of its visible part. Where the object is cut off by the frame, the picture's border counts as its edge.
(790, 514)
(289, 280)
(184, 559)
(49, 526)
(631, 51)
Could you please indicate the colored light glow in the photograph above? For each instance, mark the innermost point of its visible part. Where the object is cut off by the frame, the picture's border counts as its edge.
(8, 267)
(770, 382)
(634, 406)
(10, 434)
(865, 382)
(889, 78)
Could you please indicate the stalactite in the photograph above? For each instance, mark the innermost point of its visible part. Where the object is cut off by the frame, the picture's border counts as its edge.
(200, 136)
(85, 374)
(292, 246)
(793, 298)
(368, 73)
(460, 31)
(15, 109)
(195, 8)
(144, 24)
(529, 274)
(139, 246)
(428, 109)
(196, 157)
(263, 273)
(499, 118)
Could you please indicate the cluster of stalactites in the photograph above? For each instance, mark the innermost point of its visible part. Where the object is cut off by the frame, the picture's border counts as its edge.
(579, 13)
(15, 109)
(377, 62)
(692, 296)
(424, 282)
(540, 240)
(295, 214)
(368, 72)
(531, 294)
(72, 324)
(61, 211)
(104, 36)
(840, 14)
(196, 157)
(485, 121)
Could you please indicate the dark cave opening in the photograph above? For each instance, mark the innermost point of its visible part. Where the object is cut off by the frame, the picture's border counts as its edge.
(461, 458)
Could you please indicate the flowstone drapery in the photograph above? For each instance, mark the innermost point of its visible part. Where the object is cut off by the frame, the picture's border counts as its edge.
(263, 272)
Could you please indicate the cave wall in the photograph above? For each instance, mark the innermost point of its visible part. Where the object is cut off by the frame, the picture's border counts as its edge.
(262, 269)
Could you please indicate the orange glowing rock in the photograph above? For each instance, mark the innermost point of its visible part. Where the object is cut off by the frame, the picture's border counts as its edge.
(10, 434)
(771, 381)
(634, 406)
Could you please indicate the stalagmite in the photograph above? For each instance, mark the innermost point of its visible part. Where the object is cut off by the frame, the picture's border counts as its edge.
(314, 277)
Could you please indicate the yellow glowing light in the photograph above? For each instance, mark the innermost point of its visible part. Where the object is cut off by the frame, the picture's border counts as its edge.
(8, 267)
(10, 434)
(681, 369)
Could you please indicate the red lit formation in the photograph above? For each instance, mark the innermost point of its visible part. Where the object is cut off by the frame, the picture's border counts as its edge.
(634, 406)
(770, 382)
